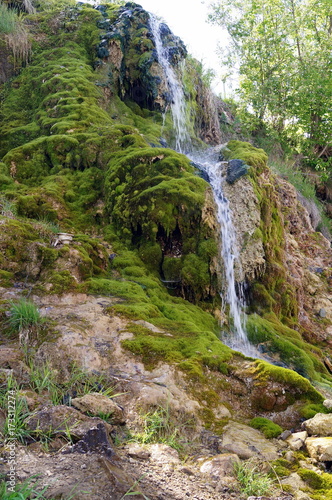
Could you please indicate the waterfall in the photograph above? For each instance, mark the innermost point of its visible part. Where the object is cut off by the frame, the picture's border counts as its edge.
(178, 107)
(229, 254)
(209, 163)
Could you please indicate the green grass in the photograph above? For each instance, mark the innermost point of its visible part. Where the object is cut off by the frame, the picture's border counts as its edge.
(29, 490)
(253, 482)
(23, 314)
(8, 20)
(160, 427)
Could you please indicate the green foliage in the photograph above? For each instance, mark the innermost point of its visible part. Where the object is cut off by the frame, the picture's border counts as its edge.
(23, 314)
(283, 49)
(8, 19)
(253, 482)
(269, 428)
(245, 151)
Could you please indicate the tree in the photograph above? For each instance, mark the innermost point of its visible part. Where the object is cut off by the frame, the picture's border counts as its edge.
(283, 48)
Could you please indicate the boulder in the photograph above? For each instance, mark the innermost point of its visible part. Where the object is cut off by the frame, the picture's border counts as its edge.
(97, 404)
(320, 448)
(319, 425)
(60, 420)
(296, 441)
(220, 465)
(246, 442)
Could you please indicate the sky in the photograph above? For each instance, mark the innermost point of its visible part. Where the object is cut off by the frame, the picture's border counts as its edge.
(187, 19)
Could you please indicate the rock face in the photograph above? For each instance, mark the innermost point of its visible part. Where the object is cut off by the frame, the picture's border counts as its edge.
(127, 55)
(246, 216)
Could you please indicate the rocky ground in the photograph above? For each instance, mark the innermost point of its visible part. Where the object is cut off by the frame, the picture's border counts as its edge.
(101, 447)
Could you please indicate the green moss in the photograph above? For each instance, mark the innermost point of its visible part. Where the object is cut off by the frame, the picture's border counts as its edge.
(62, 282)
(6, 278)
(269, 428)
(279, 339)
(314, 480)
(309, 410)
(252, 156)
(296, 384)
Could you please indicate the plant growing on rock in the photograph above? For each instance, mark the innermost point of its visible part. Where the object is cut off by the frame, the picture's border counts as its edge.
(252, 482)
(24, 318)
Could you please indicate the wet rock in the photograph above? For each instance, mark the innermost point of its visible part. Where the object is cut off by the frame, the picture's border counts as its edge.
(320, 448)
(220, 465)
(98, 404)
(59, 420)
(319, 425)
(296, 441)
(246, 442)
(235, 170)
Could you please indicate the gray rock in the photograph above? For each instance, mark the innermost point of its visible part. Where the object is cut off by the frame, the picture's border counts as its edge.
(322, 313)
(284, 435)
(136, 450)
(235, 170)
(294, 482)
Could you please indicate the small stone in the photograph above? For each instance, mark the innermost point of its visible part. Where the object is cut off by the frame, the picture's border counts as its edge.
(328, 404)
(322, 313)
(284, 435)
(135, 450)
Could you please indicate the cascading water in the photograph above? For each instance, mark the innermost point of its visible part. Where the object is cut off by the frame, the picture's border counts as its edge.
(229, 253)
(213, 168)
(178, 107)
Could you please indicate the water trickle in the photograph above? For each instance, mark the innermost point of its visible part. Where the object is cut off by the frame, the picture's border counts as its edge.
(178, 107)
(213, 168)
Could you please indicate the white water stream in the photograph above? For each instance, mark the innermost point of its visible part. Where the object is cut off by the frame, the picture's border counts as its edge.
(178, 105)
(208, 160)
